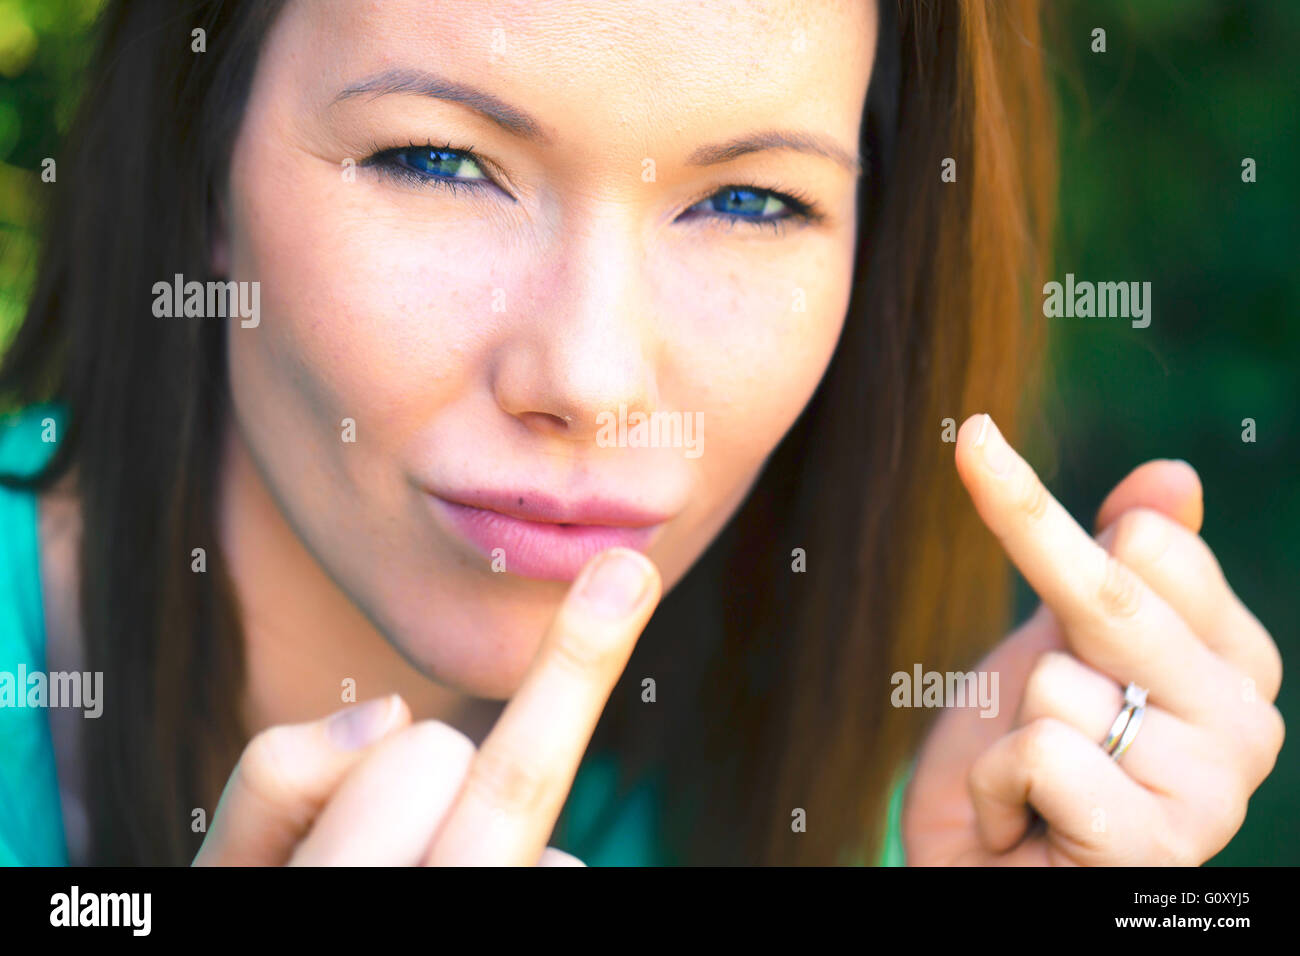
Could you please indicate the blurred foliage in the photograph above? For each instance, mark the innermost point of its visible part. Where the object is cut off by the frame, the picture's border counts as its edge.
(1154, 131)
(44, 48)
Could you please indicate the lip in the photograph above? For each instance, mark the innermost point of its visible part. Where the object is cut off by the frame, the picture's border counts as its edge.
(543, 536)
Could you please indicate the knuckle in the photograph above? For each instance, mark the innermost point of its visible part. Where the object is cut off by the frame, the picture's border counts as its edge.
(508, 783)
(1170, 846)
(1209, 561)
(1271, 668)
(265, 769)
(1277, 733)
(979, 778)
(1266, 736)
(1030, 497)
(442, 742)
(1120, 591)
(581, 651)
(1223, 805)
(1048, 674)
(1040, 742)
(1141, 537)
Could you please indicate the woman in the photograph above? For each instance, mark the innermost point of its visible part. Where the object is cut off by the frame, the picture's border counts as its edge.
(401, 465)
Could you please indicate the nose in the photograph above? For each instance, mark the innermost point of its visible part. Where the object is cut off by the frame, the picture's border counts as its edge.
(586, 346)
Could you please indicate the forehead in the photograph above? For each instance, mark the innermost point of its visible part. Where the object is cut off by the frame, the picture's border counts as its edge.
(607, 65)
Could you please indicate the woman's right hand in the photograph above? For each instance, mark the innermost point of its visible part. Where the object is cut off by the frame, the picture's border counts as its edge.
(367, 787)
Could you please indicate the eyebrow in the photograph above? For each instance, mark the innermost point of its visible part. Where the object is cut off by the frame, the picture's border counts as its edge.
(520, 123)
(802, 142)
(422, 83)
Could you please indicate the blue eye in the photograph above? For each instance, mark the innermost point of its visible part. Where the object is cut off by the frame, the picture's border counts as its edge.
(442, 166)
(749, 203)
(753, 205)
(441, 163)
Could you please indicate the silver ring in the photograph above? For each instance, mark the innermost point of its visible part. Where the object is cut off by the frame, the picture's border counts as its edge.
(1134, 724)
(1117, 729)
(1127, 723)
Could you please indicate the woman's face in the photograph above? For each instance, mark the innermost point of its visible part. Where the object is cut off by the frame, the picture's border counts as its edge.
(490, 233)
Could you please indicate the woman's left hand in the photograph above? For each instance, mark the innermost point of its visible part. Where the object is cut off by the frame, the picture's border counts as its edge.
(1143, 602)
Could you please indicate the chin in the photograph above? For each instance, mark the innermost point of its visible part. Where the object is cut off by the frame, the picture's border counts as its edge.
(477, 639)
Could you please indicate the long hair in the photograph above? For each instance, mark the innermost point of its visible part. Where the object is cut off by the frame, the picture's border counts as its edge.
(774, 691)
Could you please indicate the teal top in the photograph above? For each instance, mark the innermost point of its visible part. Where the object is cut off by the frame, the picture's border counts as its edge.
(31, 819)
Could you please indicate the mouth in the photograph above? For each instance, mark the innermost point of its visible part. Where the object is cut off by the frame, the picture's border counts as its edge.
(538, 536)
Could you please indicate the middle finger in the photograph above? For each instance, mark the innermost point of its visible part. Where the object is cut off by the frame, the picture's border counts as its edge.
(517, 784)
(1111, 618)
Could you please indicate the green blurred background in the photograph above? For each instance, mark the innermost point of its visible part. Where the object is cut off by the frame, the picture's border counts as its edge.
(1154, 131)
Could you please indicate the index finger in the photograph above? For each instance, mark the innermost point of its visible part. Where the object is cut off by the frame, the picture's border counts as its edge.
(1111, 617)
(518, 782)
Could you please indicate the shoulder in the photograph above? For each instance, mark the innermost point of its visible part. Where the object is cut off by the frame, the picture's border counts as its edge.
(27, 439)
(30, 824)
(28, 436)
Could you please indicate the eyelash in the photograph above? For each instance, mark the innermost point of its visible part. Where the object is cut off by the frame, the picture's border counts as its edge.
(386, 162)
(802, 210)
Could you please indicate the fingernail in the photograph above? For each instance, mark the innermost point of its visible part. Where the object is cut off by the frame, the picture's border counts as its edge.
(360, 724)
(615, 585)
(997, 453)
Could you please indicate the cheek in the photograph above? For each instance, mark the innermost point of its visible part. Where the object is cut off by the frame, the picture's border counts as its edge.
(385, 317)
(754, 340)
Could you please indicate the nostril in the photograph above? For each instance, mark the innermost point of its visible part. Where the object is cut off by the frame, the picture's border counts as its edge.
(548, 420)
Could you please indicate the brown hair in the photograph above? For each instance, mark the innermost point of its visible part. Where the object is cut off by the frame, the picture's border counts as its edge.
(773, 686)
